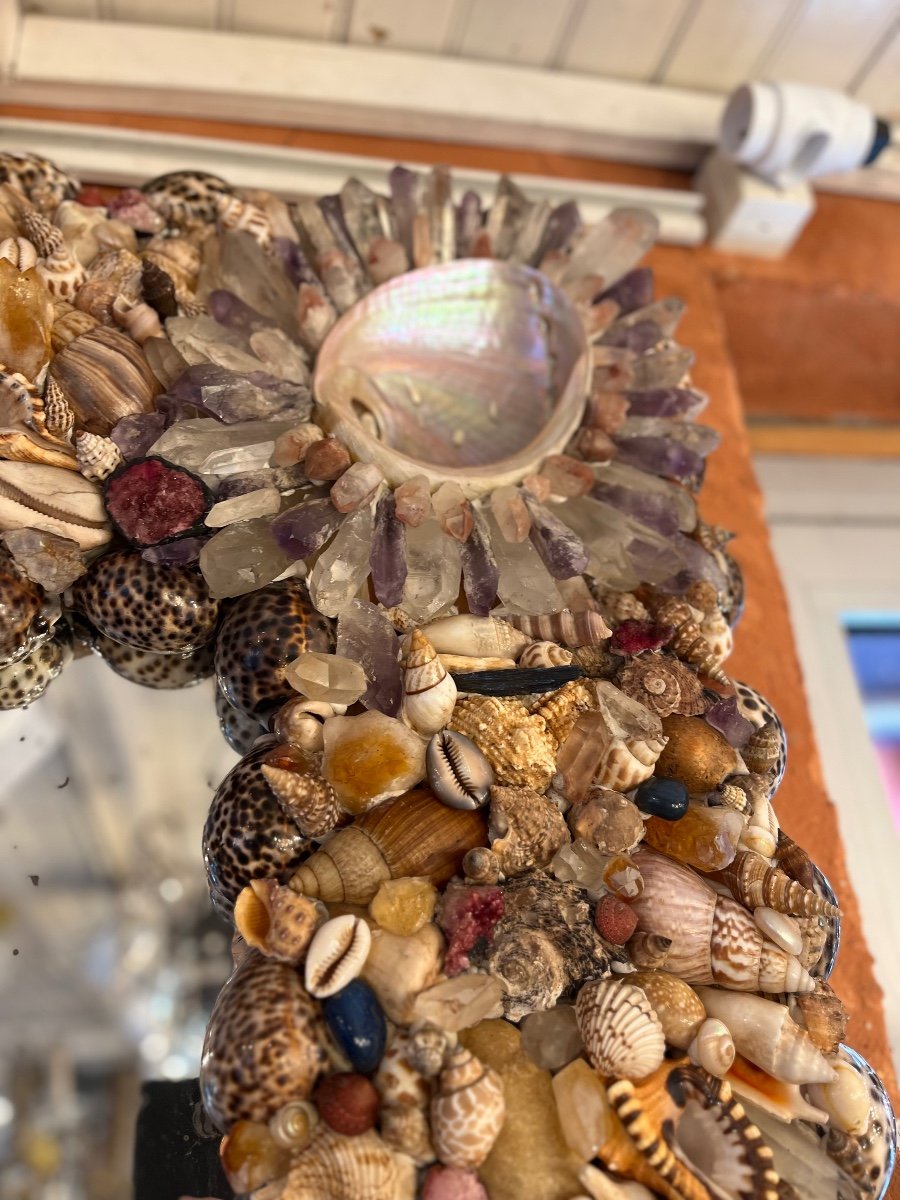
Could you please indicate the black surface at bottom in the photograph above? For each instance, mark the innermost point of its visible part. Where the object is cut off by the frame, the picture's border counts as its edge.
(176, 1148)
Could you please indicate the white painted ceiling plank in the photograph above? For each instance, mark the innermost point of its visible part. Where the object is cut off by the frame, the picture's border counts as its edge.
(61, 8)
(881, 85)
(421, 25)
(285, 80)
(197, 14)
(829, 41)
(529, 34)
(723, 42)
(318, 20)
(622, 39)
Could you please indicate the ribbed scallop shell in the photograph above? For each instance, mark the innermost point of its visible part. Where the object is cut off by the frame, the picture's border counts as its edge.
(468, 1111)
(545, 654)
(519, 747)
(334, 1167)
(622, 1034)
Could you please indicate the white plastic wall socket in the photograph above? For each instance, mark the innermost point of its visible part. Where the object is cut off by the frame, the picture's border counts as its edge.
(746, 215)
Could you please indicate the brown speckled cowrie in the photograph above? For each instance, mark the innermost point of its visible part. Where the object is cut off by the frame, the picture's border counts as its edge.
(165, 609)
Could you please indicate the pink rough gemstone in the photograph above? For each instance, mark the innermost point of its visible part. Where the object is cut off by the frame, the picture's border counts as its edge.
(596, 446)
(151, 501)
(606, 411)
(453, 511)
(632, 637)
(511, 513)
(386, 259)
(356, 487)
(326, 459)
(413, 501)
(538, 485)
(452, 1183)
(131, 207)
(467, 914)
(568, 476)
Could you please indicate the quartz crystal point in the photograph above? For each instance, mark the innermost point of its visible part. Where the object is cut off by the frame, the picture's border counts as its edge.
(562, 226)
(511, 513)
(255, 277)
(406, 188)
(433, 566)
(562, 551)
(262, 502)
(624, 487)
(365, 634)
(242, 558)
(530, 234)
(195, 444)
(305, 528)
(332, 678)
(633, 291)
(506, 217)
(524, 585)
(334, 257)
(343, 566)
(613, 246)
(481, 574)
(200, 339)
(659, 369)
(701, 439)
(232, 397)
(366, 216)
(234, 313)
(666, 313)
(413, 501)
(639, 337)
(388, 554)
(356, 487)
(434, 233)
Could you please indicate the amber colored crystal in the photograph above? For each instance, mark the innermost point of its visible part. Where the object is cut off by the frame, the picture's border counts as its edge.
(705, 838)
(26, 315)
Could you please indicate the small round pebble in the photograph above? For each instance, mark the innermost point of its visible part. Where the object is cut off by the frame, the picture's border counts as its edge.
(661, 797)
(616, 921)
(452, 1183)
(347, 1102)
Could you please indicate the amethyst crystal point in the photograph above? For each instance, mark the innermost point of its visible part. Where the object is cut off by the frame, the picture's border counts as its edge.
(365, 635)
(727, 718)
(230, 396)
(633, 290)
(175, 554)
(661, 456)
(406, 191)
(653, 509)
(481, 574)
(639, 338)
(305, 528)
(293, 262)
(135, 435)
(674, 402)
(234, 313)
(701, 439)
(562, 552)
(653, 561)
(469, 218)
(388, 553)
(562, 225)
(697, 564)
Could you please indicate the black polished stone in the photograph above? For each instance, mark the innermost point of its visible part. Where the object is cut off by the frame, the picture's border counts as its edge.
(661, 797)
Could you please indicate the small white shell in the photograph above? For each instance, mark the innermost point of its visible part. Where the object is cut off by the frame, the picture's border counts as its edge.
(545, 654)
(429, 693)
(713, 1047)
(97, 456)
(336, 955)
(293, 1125)
(779, 928)
(622, 1034)
(846, 1100)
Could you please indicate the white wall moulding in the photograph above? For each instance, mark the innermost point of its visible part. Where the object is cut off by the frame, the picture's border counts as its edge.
(124, 156)
(148, 68)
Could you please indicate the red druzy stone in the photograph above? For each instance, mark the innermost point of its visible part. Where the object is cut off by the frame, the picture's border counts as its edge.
(152, 501)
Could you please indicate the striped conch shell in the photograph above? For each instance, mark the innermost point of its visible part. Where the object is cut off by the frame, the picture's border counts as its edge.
(714, 940)
(621, 1033)
(334, 1167)
(688, 641)
(751, 880)
(475, 636)
(57, 265)
(545, 654)
(568, 628)
(97, 456)
(429, 693)
(764, 1031)
(468, 1111)
(240, 216)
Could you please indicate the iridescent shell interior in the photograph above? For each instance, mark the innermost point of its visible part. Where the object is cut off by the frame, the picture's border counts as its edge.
(473, 370)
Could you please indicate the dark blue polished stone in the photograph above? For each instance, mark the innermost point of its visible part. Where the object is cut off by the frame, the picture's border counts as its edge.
(661, 797)
(357, 1024)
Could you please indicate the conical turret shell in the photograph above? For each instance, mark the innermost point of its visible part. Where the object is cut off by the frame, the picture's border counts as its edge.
(412, 834)
(480, 637)
(751, 880)
(765, 1032)
(468, 1111)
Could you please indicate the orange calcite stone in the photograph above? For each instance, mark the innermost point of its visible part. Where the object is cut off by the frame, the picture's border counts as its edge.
(704, 838)
(26, 315)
